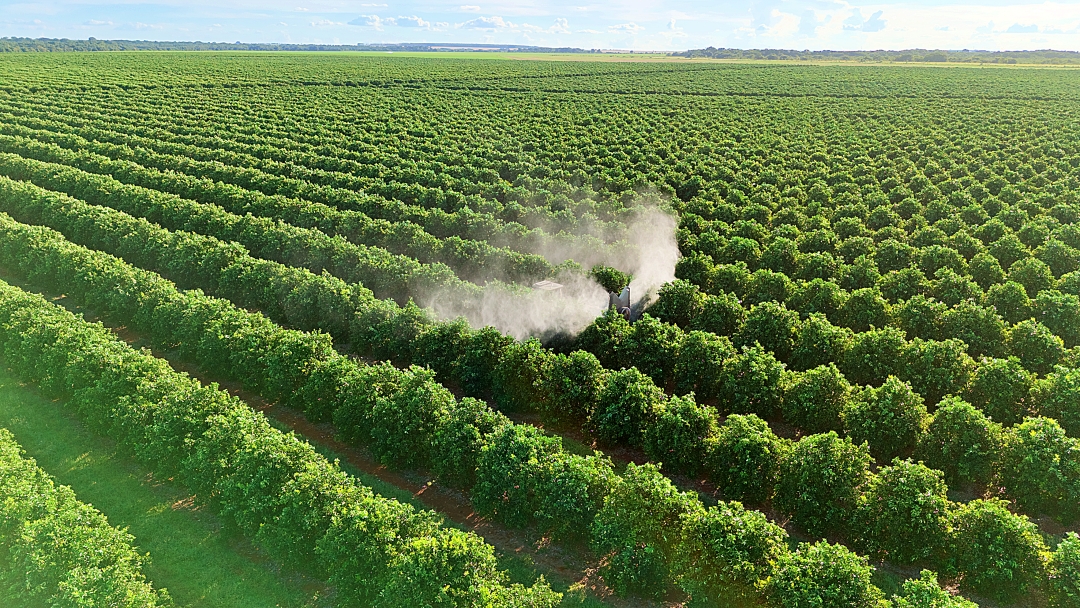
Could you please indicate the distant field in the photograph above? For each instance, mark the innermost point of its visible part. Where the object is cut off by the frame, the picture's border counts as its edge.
(854, 308)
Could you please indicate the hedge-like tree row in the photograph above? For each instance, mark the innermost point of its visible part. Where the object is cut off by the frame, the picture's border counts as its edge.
(389, 275)
(461, 212)
(57, 551)
(1007, 389)
(855, 294)
(265, 165)
(471, 259)
(271, 485)
(624, 407)
(400, 433)
(647, 148)
(979, 321)
(824, 342)
(828, 344)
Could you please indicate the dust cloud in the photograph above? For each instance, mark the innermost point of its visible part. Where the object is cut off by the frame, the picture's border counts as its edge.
(644, 246)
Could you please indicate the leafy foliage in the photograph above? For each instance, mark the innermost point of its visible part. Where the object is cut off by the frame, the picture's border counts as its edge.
(744, 458)
(59, 551)
(995, 552)
(680, 434)
(1001, 388)
(637, 528)
(628, 404)
(904, 513)
(926, 592)
(823, 574)
(891, 418)
(962, 442)
(1041, 468)
(821, 480)
(1065, 572)
(815, 400)
(611, 279)
(727, 551)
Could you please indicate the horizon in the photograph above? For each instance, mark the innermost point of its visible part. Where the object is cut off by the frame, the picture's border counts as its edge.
(678, 25)
(495, 47)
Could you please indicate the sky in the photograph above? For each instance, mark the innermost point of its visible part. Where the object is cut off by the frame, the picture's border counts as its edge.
(600, 24)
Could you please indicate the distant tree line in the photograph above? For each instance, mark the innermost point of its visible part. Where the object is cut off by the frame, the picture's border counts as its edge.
(53, 45)
(910, 55)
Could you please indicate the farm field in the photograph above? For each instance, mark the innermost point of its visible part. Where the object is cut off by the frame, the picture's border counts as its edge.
(845, 373)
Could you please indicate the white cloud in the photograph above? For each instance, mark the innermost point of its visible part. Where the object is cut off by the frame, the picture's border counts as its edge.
(417, 22)
(809, 24)
(372, 5)
(626, 28)
(673, 31)
(561, 26)
(324, 23)
(1016, 28)
(589, 32)
(97, 22)
(413, 21)
(301, 9)
(487, 23)
(469, 8)
(373, 21)
(873, 24)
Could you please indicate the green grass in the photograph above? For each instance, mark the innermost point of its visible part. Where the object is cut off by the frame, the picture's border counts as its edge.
(190, 556)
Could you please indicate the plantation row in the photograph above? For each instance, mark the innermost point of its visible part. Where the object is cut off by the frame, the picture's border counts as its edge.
(930, 169)
(1059, 312)
(468, 210)
(225, 70)
(392, 276)
(523, 376)
(725, 162)
(1006, 388)
(964, 270)
(272, 486)
(25, 74)
(394, 437)
(57, 551)
(870, 361)
(981, 323)
(334, 211)
(772, 177)
(407, 392)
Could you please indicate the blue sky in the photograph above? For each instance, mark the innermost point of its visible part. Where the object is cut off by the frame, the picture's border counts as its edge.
(630, 24)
